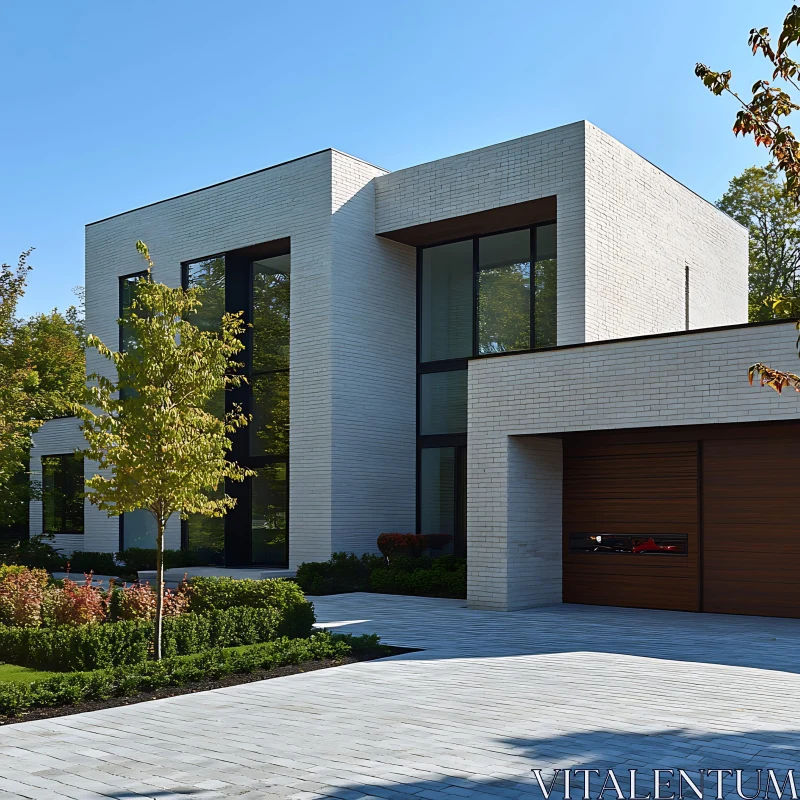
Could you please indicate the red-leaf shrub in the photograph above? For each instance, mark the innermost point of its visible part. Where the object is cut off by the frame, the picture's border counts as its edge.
(400, 544)
(138, 601)
(22, 595)
(78, 603)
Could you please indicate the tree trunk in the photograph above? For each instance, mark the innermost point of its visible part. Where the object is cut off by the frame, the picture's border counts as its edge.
(159, 588)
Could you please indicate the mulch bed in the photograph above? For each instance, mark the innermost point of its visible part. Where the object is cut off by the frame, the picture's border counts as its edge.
(203, 686)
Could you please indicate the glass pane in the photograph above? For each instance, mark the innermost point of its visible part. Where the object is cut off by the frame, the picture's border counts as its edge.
(270, 507)
(138, 529)
(443, 402)
(127, 294)
(50, 502)
(446, 302)
(675, 544)
(545, 302)
(269, 429)
(73, 494)
(62, 493)
(207, 534)
(437, 495)
(208, 275)
(504, 292)
(271, 314)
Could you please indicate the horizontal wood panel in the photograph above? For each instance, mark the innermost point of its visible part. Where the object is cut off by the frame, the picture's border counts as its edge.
(751, 527)
(675, 593)
(630, 488)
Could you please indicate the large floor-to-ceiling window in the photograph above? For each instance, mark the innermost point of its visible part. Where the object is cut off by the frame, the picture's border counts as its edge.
(255, 282)
(486, 294)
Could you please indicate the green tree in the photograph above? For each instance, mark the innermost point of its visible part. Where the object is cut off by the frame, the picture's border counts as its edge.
(160, 446)
(42, 374)
(758, 200)
(765, 117)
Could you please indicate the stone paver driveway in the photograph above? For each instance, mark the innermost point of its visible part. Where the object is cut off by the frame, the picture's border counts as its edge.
(489, 698)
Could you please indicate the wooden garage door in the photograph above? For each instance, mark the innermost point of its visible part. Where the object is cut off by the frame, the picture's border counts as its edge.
(751, 525)
(634, 489)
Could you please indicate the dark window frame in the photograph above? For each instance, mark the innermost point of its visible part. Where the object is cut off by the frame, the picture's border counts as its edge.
(459, 440)
(121, 281)
(63, 459)
(239, 297)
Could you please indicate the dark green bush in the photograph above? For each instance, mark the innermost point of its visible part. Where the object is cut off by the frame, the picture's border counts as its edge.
(84, 561)
(88, 647)
(34, 552)
(103, 684)
(214, 594)
(143, 558)
(427, 577)
(344, 572)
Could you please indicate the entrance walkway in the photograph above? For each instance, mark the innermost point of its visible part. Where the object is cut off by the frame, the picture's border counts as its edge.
(491, 697)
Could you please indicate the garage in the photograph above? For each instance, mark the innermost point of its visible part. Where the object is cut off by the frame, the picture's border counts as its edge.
(690, 519)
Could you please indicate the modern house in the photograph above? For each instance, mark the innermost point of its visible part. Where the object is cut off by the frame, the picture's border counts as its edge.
(537, 350)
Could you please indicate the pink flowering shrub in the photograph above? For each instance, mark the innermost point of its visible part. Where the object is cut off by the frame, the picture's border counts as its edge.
(77, 603)
(22, 592)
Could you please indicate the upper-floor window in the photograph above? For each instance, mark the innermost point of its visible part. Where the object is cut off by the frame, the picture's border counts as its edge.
(62, 493)
(127, 294)
(488, 294)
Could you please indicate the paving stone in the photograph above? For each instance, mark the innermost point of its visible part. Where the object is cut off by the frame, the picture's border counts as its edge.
(489, 697)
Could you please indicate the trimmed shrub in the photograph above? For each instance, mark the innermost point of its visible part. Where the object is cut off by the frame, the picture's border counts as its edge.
(84, 561)
(35, 553)
(343, 572)
(295, 613)
(427, 577)
(103, 684)
(136, 559)
(88, 647)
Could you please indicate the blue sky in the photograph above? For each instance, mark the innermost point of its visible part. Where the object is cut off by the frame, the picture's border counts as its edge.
(108, 106)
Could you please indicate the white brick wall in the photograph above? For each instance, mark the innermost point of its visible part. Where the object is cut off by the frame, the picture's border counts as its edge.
(513, 498)
(373, 346)
(352, 336)
(642, 229)
(541, 165)
(56, 437)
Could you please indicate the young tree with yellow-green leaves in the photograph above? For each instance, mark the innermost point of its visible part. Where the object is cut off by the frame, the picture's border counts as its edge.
(157, 444)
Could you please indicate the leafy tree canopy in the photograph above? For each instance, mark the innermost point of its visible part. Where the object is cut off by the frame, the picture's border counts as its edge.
(758, 200)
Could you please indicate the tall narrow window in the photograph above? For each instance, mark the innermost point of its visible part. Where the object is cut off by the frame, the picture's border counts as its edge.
(269, 374)
(62, 494)
(545, 291)
(205, 534)
(496, 293)
(127, 294)
(270, 514)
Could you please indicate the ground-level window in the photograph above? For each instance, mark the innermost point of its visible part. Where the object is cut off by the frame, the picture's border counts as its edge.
(62, 494)
(137, 529)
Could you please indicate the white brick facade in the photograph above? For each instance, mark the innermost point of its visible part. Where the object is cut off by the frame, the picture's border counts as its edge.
(625, 234)
(694, 378)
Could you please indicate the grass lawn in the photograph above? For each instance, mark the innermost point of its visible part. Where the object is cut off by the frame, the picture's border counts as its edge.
(11, 673)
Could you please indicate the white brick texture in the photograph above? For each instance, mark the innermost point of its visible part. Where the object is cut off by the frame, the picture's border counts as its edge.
(514, 482)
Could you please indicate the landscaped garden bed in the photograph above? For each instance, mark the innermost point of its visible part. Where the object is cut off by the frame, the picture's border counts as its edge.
(74, 644)
(404, 568)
